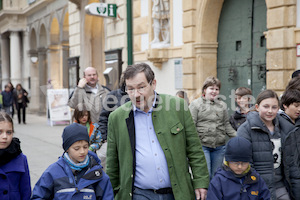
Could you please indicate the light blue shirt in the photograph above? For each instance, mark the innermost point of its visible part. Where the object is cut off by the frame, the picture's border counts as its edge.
(151, 164)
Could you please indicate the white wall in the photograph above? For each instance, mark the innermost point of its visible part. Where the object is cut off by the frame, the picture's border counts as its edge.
(177, 23)
(165, 77)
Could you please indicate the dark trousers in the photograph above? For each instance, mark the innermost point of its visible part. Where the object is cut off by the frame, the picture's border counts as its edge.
(20, 106)
(12, 111)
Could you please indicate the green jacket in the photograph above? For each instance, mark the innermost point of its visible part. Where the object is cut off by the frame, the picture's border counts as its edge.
(178, 138)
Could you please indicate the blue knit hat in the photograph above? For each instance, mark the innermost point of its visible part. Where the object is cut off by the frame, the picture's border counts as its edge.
(238, 149)
(73, 133)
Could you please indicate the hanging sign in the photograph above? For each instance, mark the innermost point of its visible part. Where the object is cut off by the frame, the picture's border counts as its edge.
(102, 9)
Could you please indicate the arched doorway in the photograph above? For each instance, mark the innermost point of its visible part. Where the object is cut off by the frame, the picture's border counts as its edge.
(241, 55)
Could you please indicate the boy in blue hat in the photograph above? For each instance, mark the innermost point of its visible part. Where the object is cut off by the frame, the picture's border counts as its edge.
(77, 174)
(236, 179)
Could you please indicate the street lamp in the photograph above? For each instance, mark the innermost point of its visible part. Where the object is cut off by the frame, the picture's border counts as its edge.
(34, 59)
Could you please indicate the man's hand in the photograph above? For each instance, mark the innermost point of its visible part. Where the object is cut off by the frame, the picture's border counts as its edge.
(82, 82)
(201, 193)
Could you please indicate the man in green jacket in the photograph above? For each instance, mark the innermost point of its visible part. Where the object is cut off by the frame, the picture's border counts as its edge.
(152, 142)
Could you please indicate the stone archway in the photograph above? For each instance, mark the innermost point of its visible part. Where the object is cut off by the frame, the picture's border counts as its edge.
(200, 49)
(200, 57)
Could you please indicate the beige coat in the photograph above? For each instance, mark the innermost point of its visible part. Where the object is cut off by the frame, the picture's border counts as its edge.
(212, 122)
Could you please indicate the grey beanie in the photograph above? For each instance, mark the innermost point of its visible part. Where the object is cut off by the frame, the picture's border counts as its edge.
(73, 133)
(238, 149)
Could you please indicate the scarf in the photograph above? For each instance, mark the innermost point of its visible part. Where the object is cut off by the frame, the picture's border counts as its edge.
(76, 166)
(11, 152)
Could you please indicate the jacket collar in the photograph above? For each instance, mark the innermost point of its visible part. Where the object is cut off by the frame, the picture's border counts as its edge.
(255, 122)
(250, 177)
(15, 165)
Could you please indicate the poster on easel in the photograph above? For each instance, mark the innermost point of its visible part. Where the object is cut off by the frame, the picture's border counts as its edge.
(59, 110)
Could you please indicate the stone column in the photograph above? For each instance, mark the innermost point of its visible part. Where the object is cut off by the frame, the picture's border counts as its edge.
(5, 59)
(26, 72)
(42, 55)
(34, 82)
(55, 61)
(15, 58)
(65, 56)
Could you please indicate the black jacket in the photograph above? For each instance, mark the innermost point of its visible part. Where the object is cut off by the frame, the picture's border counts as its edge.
(257, 133)
(237, 119)
(24, 98)
(110, 105)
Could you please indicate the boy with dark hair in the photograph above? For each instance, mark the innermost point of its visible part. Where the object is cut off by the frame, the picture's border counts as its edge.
(236, 179)
(290, 105)
(242, 99)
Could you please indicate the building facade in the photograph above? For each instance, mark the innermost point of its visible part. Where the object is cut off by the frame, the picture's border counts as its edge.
(48, 43)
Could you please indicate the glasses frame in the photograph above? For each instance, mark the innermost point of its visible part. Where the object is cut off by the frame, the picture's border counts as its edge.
(239, 163)
(140, 89)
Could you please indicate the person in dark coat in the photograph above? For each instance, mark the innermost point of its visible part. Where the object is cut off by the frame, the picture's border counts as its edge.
(242, 98)
(7, 98)
(236, 179)
(14, 172)
(12, 90)
(20, 100)
(275, 152)
(113, 100)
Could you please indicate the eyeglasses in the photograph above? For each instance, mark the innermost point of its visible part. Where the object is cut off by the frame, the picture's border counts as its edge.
(243, 164)
(140, 89)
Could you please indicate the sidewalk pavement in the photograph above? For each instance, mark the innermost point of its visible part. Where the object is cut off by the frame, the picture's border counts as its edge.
(41, 143)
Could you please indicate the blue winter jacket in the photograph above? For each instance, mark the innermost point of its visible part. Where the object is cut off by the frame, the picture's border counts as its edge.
(226, 186)
(7, 98)
(15, 180)
(58, 182)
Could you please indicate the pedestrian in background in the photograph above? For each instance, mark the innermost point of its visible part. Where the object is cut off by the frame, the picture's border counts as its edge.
(78, 172)
(14, 172)
(90, 93)
(236, 179)
(20, 100)
(12, 88)
(1, 100)
(183, 94)
(268, 133)
(212, 122)
(242, 98)
(83, 117)
(152, 141)
(7, 97)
